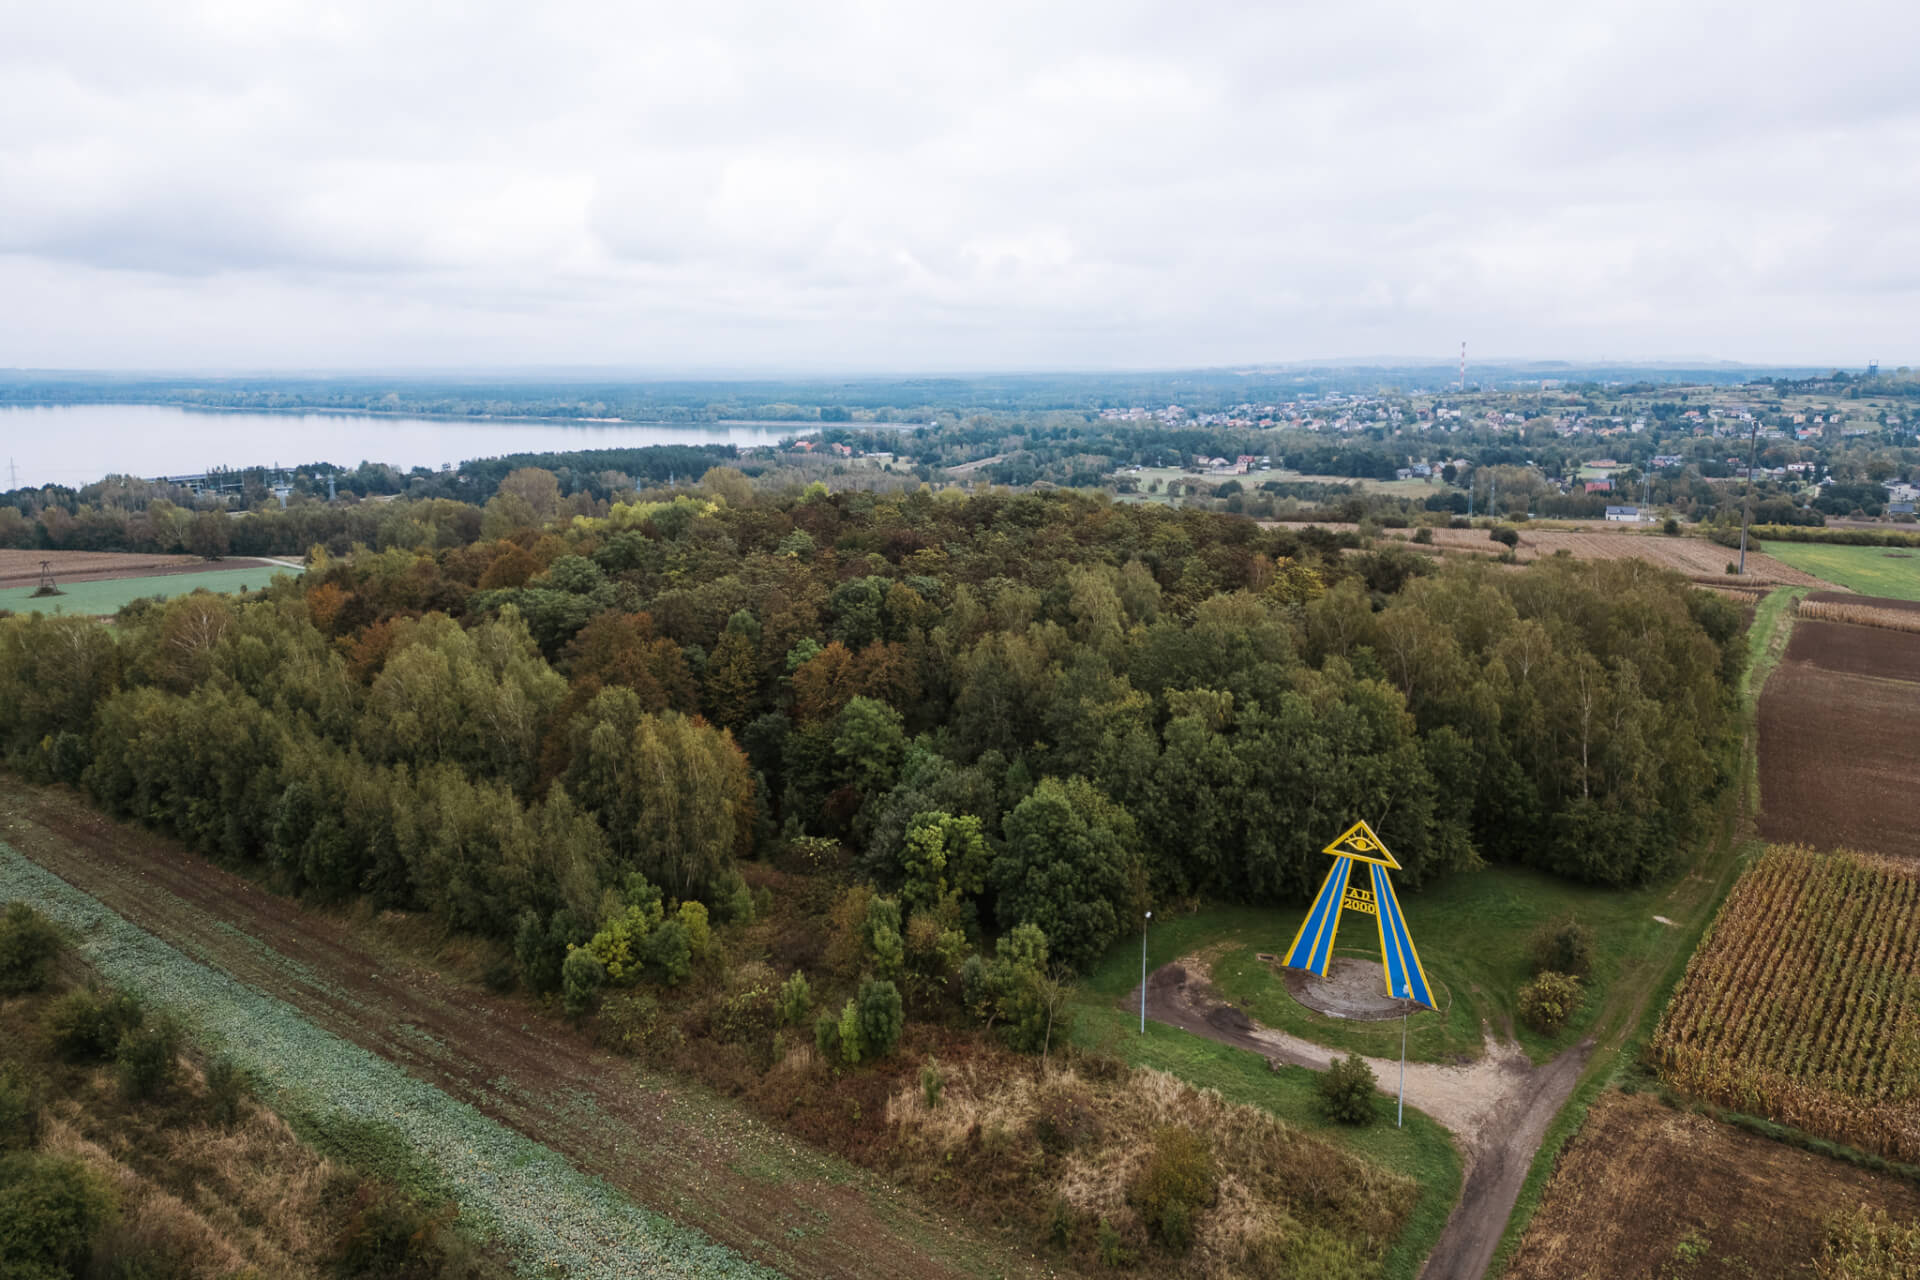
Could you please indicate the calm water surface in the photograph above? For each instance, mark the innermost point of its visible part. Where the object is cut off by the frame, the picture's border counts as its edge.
(76, 444)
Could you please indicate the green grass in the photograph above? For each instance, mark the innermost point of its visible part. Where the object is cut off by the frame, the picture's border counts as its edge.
(1422, 1150)
(1893, 572)
(1472, 931)
(97, 599)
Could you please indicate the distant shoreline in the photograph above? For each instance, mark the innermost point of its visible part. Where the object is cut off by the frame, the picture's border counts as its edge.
(801, 426)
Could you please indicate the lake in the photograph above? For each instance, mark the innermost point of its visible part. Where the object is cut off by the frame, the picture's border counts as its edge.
(74, 445)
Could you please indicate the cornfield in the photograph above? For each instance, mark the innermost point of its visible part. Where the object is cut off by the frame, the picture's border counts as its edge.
(1803, 1002)
(1862, 615)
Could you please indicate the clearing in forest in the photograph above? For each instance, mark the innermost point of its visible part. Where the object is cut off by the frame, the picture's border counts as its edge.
(1645, 1190)
(1803, 1003)
(100, 597)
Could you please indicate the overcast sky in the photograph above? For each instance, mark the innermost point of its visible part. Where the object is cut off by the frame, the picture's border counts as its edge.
(891, 185)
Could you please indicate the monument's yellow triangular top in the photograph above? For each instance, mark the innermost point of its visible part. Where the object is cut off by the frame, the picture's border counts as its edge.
(1359, 843)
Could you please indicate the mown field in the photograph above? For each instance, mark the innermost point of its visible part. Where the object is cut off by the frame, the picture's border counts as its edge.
(1871, 571)
(101, 597)
(1803, 1004)
(1646, 1190)
(1694, 557)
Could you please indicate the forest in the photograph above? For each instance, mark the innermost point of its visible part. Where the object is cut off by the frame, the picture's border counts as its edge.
(1039, 710)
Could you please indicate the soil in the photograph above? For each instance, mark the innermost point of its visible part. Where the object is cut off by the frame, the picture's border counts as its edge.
(1497, 1107)
(682, 1151)
(1643, 1188)
(1850, 649)
(22, 568)
(1351, 990)
(1838, 764)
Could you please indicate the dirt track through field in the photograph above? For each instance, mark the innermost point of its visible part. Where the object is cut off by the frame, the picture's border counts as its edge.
(677, 1150)
(1498, 1108)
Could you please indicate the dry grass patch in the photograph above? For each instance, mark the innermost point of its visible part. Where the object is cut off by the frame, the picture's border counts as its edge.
(1139, 1166)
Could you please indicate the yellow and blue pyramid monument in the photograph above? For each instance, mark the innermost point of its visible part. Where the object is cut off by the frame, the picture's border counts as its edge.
(1312, 948)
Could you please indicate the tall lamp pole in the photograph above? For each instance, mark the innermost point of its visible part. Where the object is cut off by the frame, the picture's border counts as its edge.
(1746, 507)
(1400, 1116)
(1143, 972)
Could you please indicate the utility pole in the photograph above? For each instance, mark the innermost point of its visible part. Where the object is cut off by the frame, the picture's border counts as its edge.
(1746, 508)
(1143, 972)
(1400, 1116)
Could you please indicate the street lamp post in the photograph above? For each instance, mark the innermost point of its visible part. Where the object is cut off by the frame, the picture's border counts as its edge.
(1143, 972)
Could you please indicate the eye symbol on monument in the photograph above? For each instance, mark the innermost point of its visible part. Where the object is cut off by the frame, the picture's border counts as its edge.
(1362, 844)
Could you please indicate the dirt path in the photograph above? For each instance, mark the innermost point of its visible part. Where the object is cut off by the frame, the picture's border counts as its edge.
(677, 1150)
(1498, 1107)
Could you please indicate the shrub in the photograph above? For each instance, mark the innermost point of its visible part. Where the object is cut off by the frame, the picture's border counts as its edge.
(796, 999)
(228, 1089)
(29, 942)
(50, 1209)
(1347, 1090)
(1671, 527)
(1174, 1184)
(932, 1082)
(1505, 535)
(693, 918)
(669, 951)
(1423, 535)
(148, 1057)
(852, 1045)
(630, 1020)
(19, 1109)
(1562, 946)
(581, 977)
(390, 1235)
(1549, 1000)
(881, 1017)
(1114, 1254)
(86, 1026)
(826, 1037)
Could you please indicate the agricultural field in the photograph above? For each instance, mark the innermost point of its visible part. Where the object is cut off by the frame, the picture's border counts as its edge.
(1803, 1003)
(1254, 479)
(1694, 557)
(1837, 765)
(1645, 1190)
(22, 568)
(104, 596)
(1893, 572)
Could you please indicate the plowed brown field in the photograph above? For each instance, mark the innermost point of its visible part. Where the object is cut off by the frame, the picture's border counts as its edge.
(1694, 557)
(22, 568)
(674, 1148)
(1839, 756)
(1648, 1191)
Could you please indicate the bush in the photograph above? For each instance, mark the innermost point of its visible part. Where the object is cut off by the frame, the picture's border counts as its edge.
(1671, 527)
(19, 1109)
(1549, 1000)
(581, 977)
(1423, 535)
(228, 1089)
(50, 1209)
(86, 1026)
(1174, 1184)
(29, 943)
(1506, 536)
(27, 948)
(148, 1058)
(630, 1020)
(826, 1037)
(932, 1082)
(881, 1017)
(1347, 1090)
(796, 999)
(1563, 946)
(390, 1235)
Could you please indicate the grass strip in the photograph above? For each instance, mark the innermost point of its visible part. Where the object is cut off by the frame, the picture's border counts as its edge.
(556, 1220)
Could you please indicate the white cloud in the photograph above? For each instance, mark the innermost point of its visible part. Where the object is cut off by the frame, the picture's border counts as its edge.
(861, 185)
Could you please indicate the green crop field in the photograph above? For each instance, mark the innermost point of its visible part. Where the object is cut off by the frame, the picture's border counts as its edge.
(97, 599)
(1893, 572)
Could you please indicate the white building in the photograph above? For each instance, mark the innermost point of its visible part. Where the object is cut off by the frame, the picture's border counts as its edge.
(1624, 515)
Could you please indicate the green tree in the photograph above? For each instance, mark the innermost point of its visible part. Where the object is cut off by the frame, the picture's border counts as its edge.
(1071, 866)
